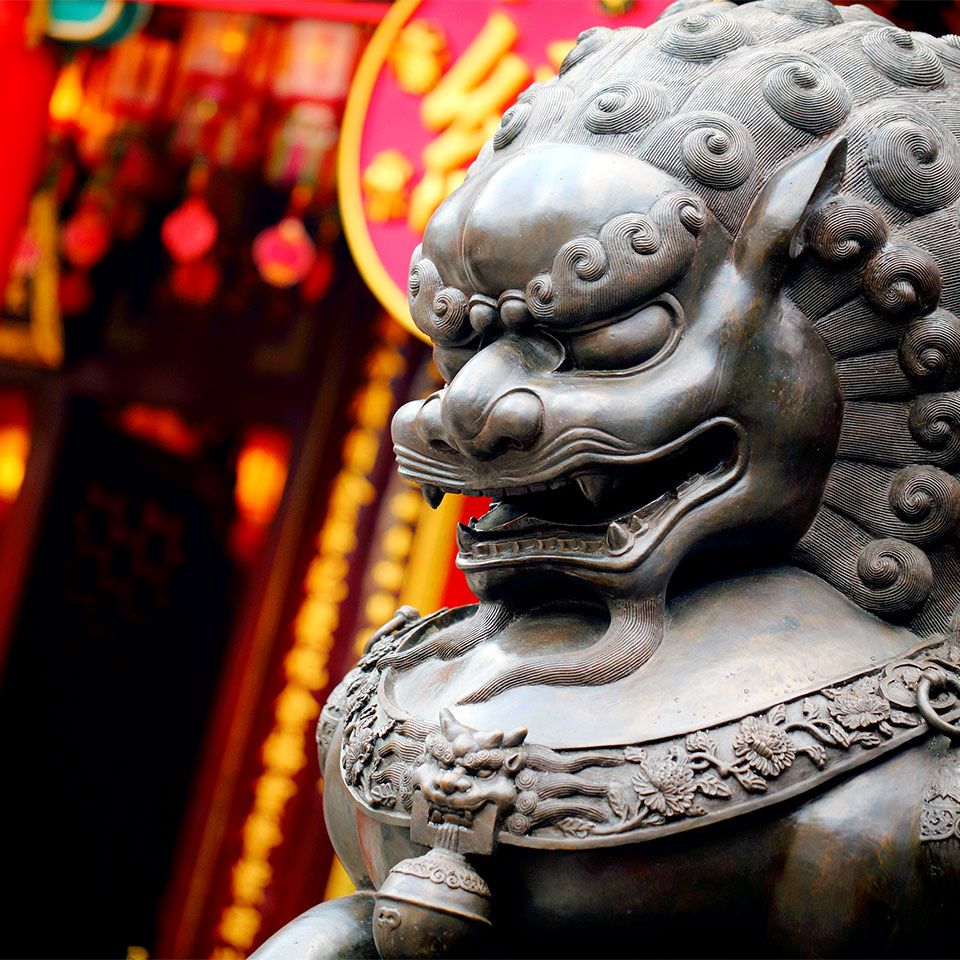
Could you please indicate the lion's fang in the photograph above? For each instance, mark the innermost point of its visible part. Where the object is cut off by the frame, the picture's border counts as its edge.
(617, 537)
(433, 495)
(594, 487)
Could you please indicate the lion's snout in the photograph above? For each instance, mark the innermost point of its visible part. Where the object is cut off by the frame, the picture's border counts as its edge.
(494, 403)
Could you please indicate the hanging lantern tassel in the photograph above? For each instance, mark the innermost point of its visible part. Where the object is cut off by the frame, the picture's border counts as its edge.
(284, 253)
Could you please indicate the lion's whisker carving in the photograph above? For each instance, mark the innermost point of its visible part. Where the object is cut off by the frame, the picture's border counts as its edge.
(489, 619)
(432, 466)
(635, 631)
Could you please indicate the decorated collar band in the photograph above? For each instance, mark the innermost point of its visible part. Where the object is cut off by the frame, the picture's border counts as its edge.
(490, 786)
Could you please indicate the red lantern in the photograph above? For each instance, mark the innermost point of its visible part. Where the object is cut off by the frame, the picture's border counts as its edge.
(284, 253)
(85, 238)
(190, 231)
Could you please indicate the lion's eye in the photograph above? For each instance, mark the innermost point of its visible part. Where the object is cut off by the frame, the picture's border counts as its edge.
(627, 342)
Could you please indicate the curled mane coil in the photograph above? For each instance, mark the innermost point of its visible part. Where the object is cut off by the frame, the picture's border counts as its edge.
(918, 503)
(930, 351)
(511, 125)
(692, 217)
(585, 256)
(915, 165)
(888, 575)
(902, 57)
(703, 36)
(450, 312)
(441, 312)
(625, 106)
(588, 42)
(934, 422)
(897, 573)
(636, 231)
(846, 229)
(809, 96)
(947, 48)
(539, 296)
(926, 498)
(719, 152)
(814, 11)
(419, 272)
(903, 281)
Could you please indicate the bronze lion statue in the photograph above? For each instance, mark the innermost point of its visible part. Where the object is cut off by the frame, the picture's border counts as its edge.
(695, 308)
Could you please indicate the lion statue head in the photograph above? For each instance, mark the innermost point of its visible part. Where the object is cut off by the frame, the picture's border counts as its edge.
(697, 294)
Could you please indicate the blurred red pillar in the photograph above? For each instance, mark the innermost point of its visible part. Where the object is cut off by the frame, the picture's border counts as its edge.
(27, 73)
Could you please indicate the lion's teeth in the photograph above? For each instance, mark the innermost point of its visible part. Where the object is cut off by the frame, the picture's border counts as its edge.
(594, 487)
(508, 493)
(654, 506)
(618, 537)
(464, 540)
(433, 495)
(499, 515)
(691, 481)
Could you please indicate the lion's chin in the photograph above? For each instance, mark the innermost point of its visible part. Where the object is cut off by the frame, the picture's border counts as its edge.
(610, 518)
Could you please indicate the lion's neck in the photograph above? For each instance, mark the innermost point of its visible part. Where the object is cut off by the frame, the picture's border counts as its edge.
(729, 648)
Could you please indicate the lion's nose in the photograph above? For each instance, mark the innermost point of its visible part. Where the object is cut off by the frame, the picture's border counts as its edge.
(452, 781)
(493, 404)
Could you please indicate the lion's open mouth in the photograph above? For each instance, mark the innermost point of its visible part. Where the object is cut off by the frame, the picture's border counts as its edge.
(608, 514)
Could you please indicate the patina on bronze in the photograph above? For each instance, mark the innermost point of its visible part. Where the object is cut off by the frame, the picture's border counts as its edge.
(696, 311)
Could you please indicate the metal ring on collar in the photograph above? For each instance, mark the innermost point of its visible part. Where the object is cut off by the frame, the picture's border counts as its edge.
(936, 679)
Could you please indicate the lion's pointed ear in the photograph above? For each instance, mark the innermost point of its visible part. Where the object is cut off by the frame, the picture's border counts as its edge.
(773, 231)
(450, 727)
(515, 737)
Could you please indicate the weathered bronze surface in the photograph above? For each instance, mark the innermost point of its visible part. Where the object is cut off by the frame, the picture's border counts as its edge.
(696, 310)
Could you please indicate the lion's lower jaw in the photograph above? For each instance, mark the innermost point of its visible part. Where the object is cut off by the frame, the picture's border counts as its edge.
(635, 631)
